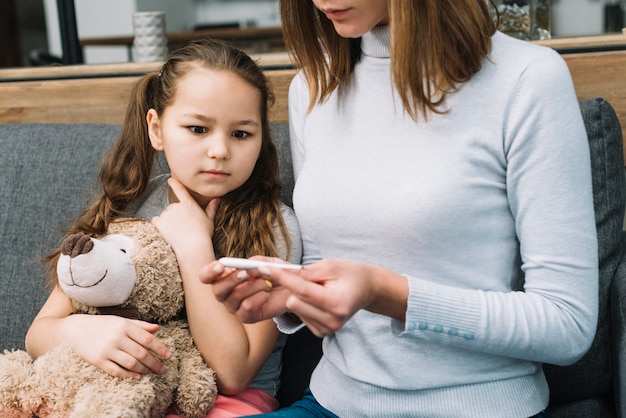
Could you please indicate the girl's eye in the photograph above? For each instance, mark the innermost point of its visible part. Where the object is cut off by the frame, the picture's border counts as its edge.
(240, 134)
(197, 130)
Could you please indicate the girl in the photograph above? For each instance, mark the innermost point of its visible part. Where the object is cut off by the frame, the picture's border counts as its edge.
(207, 111)
(443, 191)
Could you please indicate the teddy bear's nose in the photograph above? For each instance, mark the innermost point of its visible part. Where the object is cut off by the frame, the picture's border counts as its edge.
(76, 244)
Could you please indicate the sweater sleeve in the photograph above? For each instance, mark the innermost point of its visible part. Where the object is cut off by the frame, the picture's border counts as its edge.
(553, 318)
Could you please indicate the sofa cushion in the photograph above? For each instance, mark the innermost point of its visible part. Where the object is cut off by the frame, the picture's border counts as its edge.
(591, 377)
(47, 173)
(618, 317)
(280, 135)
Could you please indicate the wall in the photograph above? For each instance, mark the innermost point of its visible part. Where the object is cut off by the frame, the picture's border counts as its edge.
(577, 17)
(251, 12)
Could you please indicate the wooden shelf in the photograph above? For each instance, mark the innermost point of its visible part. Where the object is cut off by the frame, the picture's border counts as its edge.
(596, 43)
(251, 39)
(268, 61)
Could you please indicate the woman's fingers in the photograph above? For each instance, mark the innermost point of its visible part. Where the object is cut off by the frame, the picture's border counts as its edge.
(322, 299)
(248, 294)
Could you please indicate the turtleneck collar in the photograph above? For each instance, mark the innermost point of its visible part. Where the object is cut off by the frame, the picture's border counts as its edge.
(376, 43)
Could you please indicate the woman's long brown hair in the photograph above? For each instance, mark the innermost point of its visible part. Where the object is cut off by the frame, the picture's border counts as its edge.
(247, 217)
(435, 46)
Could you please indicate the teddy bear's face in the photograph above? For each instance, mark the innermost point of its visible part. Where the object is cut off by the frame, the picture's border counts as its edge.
(97, 272)
(130, 267)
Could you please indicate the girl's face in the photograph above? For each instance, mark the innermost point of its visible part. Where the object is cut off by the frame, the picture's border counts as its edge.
(211, 134)
(353, 18)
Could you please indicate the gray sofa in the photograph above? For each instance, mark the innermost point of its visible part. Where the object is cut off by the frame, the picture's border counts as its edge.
(47, 173)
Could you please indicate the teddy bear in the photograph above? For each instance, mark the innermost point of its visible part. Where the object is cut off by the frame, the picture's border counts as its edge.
(130, 271)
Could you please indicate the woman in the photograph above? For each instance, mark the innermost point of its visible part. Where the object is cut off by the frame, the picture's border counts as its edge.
(443, 192)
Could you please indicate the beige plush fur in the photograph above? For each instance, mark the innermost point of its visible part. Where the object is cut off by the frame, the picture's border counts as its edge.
(61, 384)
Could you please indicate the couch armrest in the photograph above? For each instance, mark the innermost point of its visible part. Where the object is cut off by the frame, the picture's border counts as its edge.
(618, 332)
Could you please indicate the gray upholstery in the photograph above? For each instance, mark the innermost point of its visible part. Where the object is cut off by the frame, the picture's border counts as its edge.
(47, 174)
(589, 382)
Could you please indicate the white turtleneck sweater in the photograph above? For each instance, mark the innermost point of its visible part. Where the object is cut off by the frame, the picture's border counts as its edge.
(460, 204)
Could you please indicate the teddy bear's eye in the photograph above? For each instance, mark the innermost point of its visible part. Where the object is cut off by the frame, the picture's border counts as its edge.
(123, 250)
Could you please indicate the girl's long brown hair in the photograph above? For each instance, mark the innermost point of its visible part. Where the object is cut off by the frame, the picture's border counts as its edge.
(435, 46)
(247, 217)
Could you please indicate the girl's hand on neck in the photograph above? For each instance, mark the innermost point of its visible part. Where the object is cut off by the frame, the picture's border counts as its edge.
(186, 226)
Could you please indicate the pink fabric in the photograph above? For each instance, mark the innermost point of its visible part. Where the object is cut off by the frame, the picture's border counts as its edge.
(249, 402)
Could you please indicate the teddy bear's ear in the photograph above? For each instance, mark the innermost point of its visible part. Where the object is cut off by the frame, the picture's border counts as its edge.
(97, 272)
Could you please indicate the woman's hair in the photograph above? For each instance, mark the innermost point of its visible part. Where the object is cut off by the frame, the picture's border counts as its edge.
(435, 46)
(247, 217)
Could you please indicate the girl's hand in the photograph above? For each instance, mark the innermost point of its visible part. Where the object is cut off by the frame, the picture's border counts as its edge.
(246, 293)
(122, 347)
(185, 225)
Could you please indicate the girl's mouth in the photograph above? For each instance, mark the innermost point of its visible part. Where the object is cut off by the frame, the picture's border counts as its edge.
(216, 174)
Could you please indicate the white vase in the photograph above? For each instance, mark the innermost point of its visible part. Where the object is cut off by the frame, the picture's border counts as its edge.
(150, 42)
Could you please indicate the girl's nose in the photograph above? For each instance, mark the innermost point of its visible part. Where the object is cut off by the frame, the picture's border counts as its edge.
(218, 148)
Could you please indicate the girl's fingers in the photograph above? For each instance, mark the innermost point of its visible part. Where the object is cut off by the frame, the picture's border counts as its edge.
(112, 368)
(130, 363)
(211, 209)
(147, 341)
(179, 190)
(147, 326)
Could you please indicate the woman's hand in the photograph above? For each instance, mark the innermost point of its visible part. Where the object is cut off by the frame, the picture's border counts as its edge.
(185, 225)
(325, 295)
(121, 347)
(246, 293)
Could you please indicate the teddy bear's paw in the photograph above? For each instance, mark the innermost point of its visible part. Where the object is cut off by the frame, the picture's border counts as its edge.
(196, 392)
(195, 399)
(15, 368)
(14, 414)
(114, 397)
(197, 387)
(17, 399)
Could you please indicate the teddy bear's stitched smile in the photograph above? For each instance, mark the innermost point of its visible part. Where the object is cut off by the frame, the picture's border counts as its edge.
(73, 283)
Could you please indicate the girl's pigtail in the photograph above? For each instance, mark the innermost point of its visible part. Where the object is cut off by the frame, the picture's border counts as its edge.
(127, 167)
(124, 173)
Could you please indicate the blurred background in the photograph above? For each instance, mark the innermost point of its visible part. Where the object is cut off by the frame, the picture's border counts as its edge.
(30, 33)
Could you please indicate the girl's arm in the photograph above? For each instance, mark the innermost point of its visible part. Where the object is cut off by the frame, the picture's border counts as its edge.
(119, 346)
(235, 351)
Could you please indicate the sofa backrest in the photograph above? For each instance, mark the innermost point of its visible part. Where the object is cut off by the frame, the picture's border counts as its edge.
(99, 93)
(47, 174)
(590, 381)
